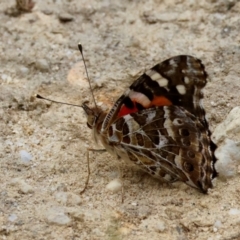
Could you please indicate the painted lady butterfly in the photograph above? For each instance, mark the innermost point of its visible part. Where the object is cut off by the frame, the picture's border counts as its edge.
(159, 124)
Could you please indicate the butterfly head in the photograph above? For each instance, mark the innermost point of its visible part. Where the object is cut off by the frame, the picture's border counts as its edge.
(92, 115)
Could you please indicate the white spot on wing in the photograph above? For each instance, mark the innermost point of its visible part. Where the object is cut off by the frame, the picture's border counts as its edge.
(181, 89)
(168, 122)
(131, 123)
(178, 161)
(186, 80)
(173, 63)
(127, 117)
(114, 137)
(150, 117)
(163, 82)
(154, 75)
(163, 141)
(171, 72)
(140, 98)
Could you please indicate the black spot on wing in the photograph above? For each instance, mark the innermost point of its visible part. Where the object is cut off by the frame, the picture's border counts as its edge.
(139, 106)
(128, 102)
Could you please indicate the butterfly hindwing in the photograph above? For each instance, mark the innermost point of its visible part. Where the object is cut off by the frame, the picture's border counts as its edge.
(164, 141)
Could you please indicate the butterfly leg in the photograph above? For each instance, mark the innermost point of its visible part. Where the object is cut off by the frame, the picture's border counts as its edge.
(88, 166)
(120, 174)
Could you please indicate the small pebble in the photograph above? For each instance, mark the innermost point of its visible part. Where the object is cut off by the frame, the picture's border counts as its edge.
(76, 213)
(214, 104)
(23, 71)
(115, 185)
(47, 12)
(144, 212)
(61, 197)
(218, 224)
(6, 78)
(56, 215)
(234, 211)
(13, 217)
(24, 187)
(25, 157)
(73, 199)
(65, 17)
(42, 65)
(160, 226)
(70, 199)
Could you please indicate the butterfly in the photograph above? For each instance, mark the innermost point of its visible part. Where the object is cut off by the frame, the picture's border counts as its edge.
(159, 124)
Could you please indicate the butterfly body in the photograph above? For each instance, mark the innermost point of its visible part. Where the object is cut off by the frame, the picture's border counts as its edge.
(159, 124)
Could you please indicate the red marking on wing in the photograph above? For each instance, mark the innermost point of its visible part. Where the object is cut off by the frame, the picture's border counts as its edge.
(125, 110)
(157, 101)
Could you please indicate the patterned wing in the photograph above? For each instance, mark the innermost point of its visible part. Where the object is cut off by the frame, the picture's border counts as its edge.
(168, 142)
(160, 125)
(177, 81)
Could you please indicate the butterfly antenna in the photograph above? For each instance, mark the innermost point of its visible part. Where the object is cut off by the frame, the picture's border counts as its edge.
(81, 51)
(41, 97)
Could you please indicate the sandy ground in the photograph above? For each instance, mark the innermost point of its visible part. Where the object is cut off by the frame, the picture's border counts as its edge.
(39, 194)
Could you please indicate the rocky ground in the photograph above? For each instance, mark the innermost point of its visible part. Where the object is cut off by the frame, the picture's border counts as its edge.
(43, 145)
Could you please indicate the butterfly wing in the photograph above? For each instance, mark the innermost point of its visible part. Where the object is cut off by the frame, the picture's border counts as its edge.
(168, 142)
(177, 81)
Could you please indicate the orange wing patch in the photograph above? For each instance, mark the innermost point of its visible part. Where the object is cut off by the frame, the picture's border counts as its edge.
(161, 101)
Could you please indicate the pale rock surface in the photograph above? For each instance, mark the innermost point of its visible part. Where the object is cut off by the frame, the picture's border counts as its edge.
(228, 155)
(57, 215)
(229, 128)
